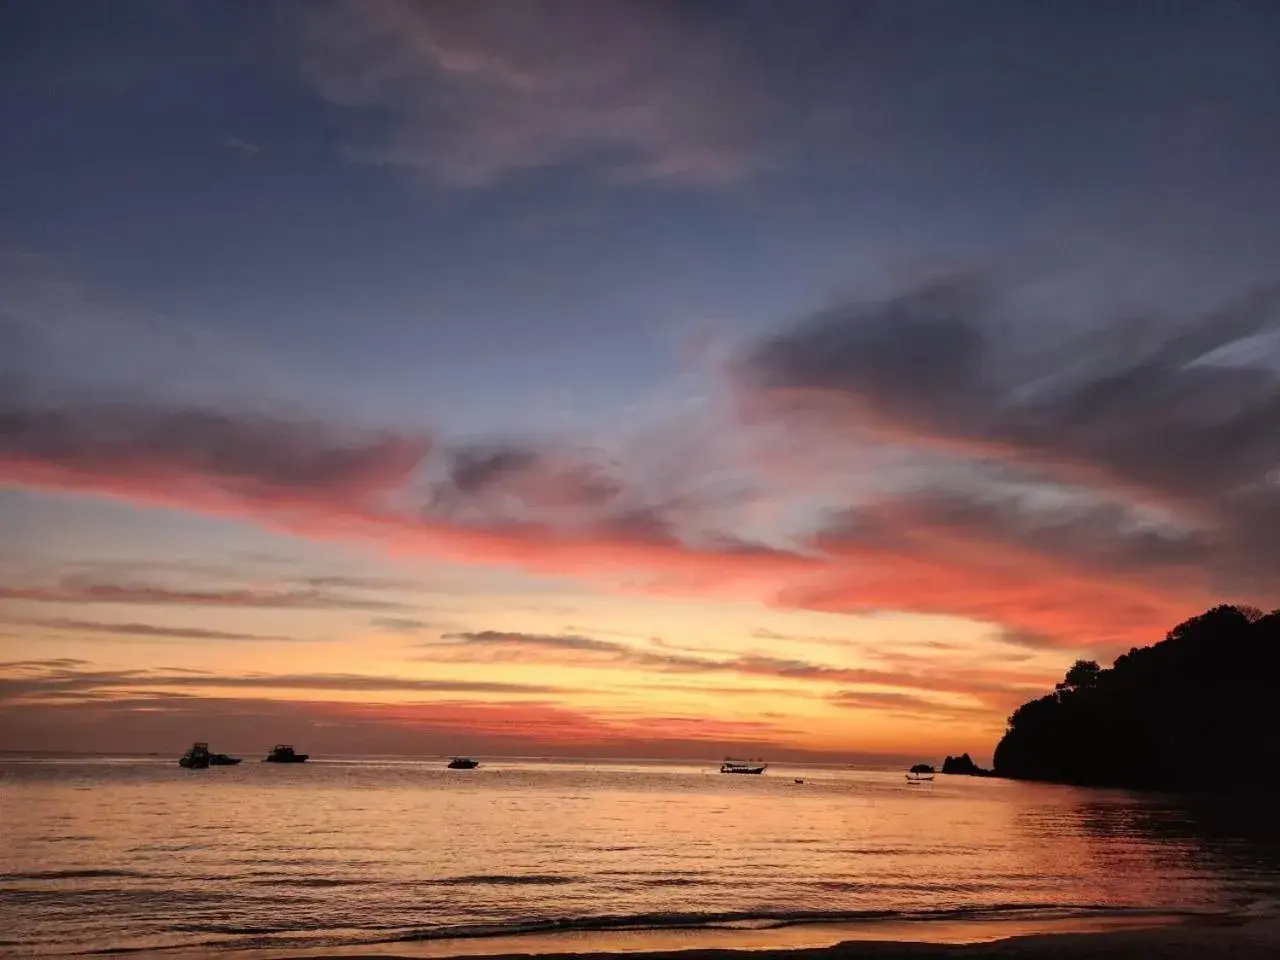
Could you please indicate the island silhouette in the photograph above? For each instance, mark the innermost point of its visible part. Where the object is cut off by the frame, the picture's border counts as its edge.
(1194, 712)
(963, 765)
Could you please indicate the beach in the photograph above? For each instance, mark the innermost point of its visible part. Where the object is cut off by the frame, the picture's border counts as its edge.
(1241, 940)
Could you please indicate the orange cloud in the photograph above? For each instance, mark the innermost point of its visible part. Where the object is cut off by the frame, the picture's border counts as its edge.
(963, 574)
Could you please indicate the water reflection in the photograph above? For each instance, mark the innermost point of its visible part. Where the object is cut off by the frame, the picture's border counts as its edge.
(145, 854)
(1213, 836)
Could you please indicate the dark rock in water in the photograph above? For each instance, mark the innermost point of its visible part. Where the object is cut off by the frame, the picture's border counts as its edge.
(963, 765)
(1195, 712)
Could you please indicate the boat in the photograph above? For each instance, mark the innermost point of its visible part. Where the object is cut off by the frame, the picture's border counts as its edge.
(222, 760)
(196, 758)
(742, 766)
(283, 753)
(921, 771)
(463, 763)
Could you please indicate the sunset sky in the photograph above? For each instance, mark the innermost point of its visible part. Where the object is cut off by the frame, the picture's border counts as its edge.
(623, 379)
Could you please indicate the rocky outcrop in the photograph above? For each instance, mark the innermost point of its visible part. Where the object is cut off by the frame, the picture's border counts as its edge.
(963, 765)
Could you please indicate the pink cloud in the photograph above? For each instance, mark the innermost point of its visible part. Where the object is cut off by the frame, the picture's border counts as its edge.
(472, 93)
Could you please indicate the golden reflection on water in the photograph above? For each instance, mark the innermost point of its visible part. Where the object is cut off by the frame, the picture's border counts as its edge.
(144, 854)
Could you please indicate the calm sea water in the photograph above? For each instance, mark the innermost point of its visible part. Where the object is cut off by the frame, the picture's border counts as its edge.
(141, 854)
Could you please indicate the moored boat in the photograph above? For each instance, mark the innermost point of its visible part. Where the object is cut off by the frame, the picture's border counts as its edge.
(742, 766)
(197, 757)
(222, 760)
(284, 753)
(921, 771)
(463, 763)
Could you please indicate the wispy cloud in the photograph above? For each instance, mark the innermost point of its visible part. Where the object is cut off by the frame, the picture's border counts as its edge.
(1136, 469)
(151, 631)
(51, 703)
(411, 626)
(240, 146)
(69, 679)
(82, 590)
(908, 705)
(1138, 410)
(996, 687)
(474, 92)
(321, 481)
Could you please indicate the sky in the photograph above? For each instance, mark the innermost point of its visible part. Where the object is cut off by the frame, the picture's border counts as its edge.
(809, 381)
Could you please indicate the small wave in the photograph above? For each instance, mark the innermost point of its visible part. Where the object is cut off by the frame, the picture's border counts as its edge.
(166, 847)
(862, 886)
(278, 881)
(230, 929)
(69, 875)
(500, 880)
(765, 920)
(653, 873)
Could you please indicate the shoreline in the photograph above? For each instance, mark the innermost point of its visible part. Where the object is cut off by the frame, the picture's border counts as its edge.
(1151, 937)
(1258, 940)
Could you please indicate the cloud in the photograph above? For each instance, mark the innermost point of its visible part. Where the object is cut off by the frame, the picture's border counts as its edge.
(1093, 489)
(347, 582)
(482, 476)
(1140, 409)
(472, 93)
(323, 482)
(198, 453)
(241, 146)
(763, 633)
(153, 631)
(353, 681)
(905, 704)
(408, 625)
(996, 687)
(496, 638)
(1087, 501)
(1071, 579)
(84, 590)
(47, 679)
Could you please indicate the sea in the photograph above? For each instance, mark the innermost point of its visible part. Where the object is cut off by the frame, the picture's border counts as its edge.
(109, 854)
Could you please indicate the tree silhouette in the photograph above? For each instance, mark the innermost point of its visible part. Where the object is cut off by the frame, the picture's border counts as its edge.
(1083, 675)
(1192, 712)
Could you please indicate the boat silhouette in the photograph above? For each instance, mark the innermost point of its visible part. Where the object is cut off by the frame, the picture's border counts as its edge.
(284, 753)
(742, 766)
(463, 763)
(197, 757)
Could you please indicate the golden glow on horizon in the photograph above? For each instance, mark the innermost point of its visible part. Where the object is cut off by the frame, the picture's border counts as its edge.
(896, 708)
